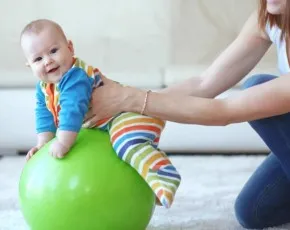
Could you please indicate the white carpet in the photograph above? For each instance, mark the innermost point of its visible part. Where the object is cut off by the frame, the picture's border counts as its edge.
(204, 200)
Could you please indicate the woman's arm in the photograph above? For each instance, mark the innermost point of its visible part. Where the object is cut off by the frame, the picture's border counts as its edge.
(235, 62)
(265, 100)
(261, 101)
(228, 69)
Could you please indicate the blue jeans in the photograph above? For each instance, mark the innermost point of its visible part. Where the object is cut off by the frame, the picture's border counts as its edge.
(265, 199)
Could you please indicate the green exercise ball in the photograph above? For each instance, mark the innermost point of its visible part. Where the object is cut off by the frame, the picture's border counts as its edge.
(89, 189)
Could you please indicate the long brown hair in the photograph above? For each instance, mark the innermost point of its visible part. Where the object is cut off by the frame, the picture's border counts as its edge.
(282, 21)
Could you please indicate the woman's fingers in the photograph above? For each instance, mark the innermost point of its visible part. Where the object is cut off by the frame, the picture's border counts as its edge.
(107, 99)
(90, 121)
(89, 115)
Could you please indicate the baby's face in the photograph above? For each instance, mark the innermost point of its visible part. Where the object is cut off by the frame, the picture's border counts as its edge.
(48, 54)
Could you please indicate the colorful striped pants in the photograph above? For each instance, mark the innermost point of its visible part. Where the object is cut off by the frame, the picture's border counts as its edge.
(135, 138)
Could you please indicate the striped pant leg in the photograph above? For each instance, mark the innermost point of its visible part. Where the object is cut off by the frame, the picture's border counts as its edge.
(103, 124)
(134, 138)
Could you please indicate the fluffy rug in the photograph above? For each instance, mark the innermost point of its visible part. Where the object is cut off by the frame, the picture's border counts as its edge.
(204, 201)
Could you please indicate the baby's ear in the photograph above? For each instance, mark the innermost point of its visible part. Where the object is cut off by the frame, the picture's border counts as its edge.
(71, 47)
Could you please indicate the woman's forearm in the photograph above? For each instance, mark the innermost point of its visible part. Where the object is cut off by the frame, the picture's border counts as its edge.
(265, 100)
(178, 108)
(187, 109)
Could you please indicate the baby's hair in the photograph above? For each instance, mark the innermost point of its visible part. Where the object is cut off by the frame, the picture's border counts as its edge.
(37, 26)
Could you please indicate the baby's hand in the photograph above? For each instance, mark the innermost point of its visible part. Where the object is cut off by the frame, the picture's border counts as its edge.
(58, 150)
(31, 152)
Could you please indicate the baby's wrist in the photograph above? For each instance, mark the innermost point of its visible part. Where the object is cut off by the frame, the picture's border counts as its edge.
(63, 143)
(38, 146)
(66, 138)
(60, 141)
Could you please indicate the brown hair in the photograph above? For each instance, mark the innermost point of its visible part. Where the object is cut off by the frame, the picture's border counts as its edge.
(38, 25)
(282, 21)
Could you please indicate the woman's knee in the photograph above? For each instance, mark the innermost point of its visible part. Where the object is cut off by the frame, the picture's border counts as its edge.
(257, 79)
(245, 212)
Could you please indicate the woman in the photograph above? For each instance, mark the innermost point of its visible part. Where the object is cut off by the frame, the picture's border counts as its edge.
(265, 103)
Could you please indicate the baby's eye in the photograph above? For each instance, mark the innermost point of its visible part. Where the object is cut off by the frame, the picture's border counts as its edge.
(37, 59)
(53, 51)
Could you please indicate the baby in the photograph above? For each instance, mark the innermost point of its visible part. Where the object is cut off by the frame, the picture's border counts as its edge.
(62, 100)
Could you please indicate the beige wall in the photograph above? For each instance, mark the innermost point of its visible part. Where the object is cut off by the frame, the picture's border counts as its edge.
(110, 33)
(203, 28)
(134, 35)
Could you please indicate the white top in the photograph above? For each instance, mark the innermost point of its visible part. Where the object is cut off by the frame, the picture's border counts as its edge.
(274, 35)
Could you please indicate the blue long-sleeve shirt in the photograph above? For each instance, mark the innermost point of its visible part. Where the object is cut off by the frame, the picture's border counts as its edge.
(63, 105)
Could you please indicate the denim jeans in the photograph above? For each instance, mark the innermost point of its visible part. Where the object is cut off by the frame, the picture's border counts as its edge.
(265, 199)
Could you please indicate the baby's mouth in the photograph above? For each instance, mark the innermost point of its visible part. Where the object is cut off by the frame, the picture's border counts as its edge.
(53, 70)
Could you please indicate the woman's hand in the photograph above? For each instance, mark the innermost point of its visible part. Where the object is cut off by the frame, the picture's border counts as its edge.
(107, 101)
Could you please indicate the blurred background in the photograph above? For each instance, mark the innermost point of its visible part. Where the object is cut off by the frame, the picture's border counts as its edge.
(146, 44)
